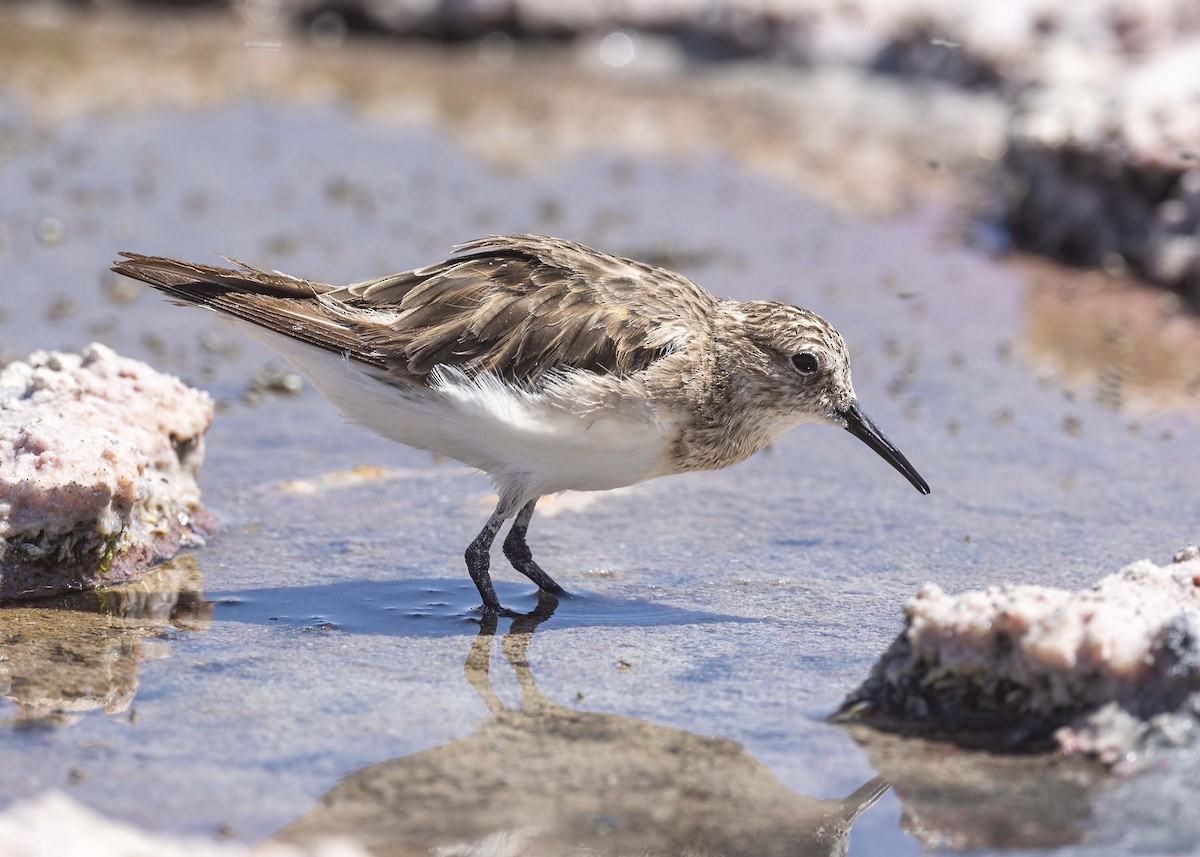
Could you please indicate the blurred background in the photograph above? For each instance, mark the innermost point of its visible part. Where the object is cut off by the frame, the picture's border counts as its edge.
(1065, 130)
(998, 204)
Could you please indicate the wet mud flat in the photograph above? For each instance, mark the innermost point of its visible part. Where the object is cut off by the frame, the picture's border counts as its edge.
(728, 613)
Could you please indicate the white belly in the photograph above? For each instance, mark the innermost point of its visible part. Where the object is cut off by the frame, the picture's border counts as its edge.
(532, 443)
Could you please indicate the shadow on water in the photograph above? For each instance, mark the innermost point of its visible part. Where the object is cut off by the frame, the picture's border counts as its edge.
(66, 656)
(434, 608)
(545, 779)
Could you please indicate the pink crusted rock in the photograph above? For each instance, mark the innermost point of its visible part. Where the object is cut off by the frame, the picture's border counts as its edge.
(98, 463)
(52, 823)
(1018, 662)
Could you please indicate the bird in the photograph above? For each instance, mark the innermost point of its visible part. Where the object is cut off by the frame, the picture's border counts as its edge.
(545, 364)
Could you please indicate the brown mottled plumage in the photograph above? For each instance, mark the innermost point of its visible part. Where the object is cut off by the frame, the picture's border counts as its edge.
(546, 364)
(517, 306)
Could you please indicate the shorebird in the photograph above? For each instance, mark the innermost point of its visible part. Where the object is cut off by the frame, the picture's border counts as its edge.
(545, 364)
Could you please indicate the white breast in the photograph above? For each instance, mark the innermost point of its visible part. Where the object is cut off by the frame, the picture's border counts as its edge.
(555, 440)
(558, 439)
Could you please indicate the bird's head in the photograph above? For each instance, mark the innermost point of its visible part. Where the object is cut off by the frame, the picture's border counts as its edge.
(801, 366)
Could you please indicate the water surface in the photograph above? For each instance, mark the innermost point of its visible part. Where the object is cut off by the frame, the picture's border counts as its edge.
(326, 630)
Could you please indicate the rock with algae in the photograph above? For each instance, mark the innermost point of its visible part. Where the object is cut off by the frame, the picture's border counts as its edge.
(98, 462)
(1017, 667)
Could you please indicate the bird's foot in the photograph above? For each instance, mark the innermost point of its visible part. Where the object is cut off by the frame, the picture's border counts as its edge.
(496, 611)
(544, 581)
(521, 557)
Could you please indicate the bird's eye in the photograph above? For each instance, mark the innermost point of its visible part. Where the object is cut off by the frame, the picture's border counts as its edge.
(806, 362)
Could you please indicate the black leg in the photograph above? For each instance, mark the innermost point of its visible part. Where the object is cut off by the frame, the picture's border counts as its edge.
(521, 556)
(478, 558)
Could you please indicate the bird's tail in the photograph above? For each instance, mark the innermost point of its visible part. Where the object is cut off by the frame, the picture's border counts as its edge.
(192, 283)
(276, 307)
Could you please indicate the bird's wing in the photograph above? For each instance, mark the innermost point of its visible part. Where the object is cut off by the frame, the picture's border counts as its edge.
(522, 306)
(519, 306)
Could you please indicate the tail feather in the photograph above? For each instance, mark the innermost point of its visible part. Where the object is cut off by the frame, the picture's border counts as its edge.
(189, 278)
(275, 302)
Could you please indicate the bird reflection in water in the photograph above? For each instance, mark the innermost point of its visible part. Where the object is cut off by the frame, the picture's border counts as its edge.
(544, 779)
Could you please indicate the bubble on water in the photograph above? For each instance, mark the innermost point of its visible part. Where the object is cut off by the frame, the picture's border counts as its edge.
(119, 290)
(991, 146)
(496, 47)
(1114, 265)
(51, 231)
(260, 11)
(618, 48)
(61, 308)
(328, 29)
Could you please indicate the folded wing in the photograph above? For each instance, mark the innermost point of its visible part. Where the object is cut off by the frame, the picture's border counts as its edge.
(518, 306)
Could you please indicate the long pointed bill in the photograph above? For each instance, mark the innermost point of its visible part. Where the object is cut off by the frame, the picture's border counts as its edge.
(864, 428)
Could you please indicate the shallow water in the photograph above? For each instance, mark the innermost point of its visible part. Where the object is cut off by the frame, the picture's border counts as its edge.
(335, 618)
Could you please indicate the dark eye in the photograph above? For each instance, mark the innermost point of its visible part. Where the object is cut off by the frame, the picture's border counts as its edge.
(805, 362)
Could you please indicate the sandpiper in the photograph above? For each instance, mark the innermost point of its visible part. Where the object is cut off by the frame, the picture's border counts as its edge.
(545, 364)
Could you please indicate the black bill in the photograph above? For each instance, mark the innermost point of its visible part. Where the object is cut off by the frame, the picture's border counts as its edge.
(864, 428)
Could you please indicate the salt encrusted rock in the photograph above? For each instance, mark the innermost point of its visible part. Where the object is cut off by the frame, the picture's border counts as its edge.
(1010, 665)
(52, 824)
(970, 44)
(1107, 171)
(98, 463)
